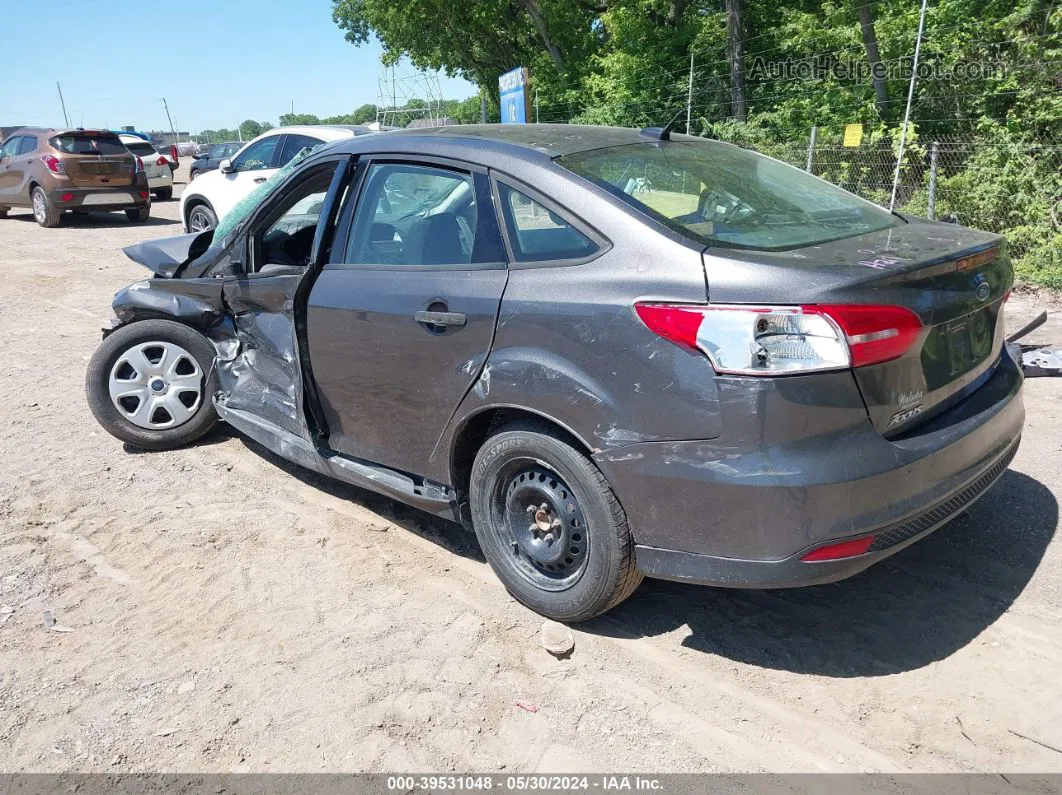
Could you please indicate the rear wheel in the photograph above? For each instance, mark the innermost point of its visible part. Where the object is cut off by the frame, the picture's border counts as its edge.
(201, 219)
(150, 384)
(164, 194)
(138, 215)
(549, 524)
(45, 213)
(3, 212)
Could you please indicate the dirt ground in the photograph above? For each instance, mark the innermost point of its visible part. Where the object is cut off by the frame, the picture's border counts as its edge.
(230, 612)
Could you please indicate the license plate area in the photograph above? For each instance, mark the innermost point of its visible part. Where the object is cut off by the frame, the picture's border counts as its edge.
(969, 339)
(95, 199)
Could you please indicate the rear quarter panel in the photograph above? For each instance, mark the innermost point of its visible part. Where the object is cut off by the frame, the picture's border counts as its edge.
(569, 346)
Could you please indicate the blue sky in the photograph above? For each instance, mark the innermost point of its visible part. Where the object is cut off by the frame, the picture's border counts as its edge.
(217, 63)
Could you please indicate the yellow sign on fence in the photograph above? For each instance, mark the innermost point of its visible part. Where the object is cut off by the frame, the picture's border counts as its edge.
(853, 134)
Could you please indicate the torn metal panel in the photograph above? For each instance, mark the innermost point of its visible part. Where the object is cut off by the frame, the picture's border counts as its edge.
(264, 376)
(196, 302)
(165, 257)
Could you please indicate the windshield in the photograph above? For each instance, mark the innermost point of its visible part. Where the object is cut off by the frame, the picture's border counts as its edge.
(719, 194)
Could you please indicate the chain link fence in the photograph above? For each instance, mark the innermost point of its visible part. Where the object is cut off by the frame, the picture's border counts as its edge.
(1013, 188)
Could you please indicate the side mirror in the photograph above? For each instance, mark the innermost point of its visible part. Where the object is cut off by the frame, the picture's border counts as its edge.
(225, 166)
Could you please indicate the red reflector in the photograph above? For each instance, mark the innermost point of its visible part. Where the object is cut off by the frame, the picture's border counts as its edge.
(843, 549)
(676, 324)
(66, 197)
(875, 333)
(143, 194)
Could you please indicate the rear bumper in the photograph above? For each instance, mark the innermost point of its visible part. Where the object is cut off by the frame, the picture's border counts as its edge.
(163, 180)
(101, 199)
(719, 513)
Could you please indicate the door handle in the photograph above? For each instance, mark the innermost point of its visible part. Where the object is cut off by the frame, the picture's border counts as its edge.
(440, 318)
(259, 180)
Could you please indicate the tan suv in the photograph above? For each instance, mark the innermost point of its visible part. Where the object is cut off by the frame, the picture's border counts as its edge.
(51, 171)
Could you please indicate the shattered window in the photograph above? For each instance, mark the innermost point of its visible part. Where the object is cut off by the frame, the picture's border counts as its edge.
(247, 205)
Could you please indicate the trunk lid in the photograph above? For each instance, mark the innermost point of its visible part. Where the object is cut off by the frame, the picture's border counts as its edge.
(95, 159)
(954, 279)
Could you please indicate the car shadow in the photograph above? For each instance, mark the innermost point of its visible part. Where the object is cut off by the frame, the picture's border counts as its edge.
(914, 608)
(447, 534)
(97, 220)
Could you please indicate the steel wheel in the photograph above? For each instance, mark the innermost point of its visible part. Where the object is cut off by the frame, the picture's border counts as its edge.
(200, 220)
(540, 521)
(156, 385)
(40, 208)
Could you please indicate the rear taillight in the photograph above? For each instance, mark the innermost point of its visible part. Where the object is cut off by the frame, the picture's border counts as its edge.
(54, 164)
(779, 340)
(175, 154)
(875, 333)
(139, 167)
(161, 161)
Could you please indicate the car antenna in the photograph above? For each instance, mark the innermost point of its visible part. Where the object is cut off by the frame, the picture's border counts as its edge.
(663, 133)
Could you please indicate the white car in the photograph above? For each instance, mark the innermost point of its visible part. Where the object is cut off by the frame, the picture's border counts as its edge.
(156, 166)
(212, 195)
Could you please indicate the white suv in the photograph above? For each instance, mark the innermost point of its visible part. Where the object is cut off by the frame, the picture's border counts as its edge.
(212, 195)
(156, 166)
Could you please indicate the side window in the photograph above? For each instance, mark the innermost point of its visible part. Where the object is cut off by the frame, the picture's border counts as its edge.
(538, 234)
(10, 147)
(29, 144)
(287, 233)
(414, 215)
(258, 155)
(293, 144)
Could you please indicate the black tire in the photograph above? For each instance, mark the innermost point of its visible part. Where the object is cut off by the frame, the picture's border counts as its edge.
(107, 356)
(45, 213)
(164, 194)
(138, 215)
(3, 212)
(209, 219)
(193, 174)
(600, 573)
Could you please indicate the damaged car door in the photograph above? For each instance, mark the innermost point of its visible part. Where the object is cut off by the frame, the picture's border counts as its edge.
(261, 372)
(401, 318)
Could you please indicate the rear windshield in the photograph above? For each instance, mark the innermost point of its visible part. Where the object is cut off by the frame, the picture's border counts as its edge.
(719, 194)
(88, 144)
(144, 149)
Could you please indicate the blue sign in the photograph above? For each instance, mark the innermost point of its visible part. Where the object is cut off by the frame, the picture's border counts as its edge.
(512, 87)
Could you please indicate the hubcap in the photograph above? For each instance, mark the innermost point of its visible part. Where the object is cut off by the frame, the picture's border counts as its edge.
(543, 527)
(156, 385)
(40, 211)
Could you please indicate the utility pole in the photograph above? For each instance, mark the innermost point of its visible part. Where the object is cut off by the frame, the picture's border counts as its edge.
(689, 98)
(239, 132)
(66, 119)
(907, 113)
(170, 119)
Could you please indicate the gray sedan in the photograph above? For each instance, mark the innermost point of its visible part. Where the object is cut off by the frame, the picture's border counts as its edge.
(610, 353)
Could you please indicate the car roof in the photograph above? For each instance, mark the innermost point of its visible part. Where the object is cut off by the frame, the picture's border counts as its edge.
(526, 141)
(330, 132)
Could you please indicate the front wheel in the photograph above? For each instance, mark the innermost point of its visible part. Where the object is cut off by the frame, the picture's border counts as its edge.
(150, 384)
(550, 525)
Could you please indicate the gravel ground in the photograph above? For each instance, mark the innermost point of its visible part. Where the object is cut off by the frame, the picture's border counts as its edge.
(228, 611)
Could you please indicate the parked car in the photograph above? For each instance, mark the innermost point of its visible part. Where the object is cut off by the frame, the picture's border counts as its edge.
(207, 200)
(186, 148)
(211, 158)
(157, 167)
(54, 171)
(610, 353)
